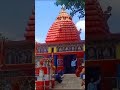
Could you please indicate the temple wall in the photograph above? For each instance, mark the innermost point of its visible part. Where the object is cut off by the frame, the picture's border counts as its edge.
(59, 51)
(60, 47)
(108, 72)
(101, 50)
(18, 53)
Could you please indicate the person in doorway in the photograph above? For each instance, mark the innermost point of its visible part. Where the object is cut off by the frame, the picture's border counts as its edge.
(93, 85)
(73, 65)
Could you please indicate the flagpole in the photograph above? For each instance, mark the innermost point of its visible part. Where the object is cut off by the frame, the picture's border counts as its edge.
(2, 48)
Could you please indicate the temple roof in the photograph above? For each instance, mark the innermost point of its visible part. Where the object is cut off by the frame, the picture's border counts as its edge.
(63, 30)
(30, 29)
(95, 24)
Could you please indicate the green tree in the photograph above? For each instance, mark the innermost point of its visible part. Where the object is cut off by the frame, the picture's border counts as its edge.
(75, 6)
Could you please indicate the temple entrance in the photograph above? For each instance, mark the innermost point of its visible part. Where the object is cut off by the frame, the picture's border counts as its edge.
(67, 63)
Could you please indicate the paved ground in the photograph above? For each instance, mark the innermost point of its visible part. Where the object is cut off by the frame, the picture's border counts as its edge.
(70, 82)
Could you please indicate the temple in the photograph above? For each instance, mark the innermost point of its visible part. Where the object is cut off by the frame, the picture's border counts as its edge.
(63, 43)
(102, 48)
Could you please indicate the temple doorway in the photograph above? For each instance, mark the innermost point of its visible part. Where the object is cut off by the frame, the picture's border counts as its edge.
(67, 63)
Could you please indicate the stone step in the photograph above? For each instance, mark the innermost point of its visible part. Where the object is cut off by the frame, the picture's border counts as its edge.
(70, 82)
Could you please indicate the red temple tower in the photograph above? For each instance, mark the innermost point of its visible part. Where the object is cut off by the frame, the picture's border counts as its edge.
(63, 30)
(30, 29)
(16, 64)
(96, 26)
(101, 48)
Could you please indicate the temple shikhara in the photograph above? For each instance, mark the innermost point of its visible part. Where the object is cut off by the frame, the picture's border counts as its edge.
(30, 29)
(17, 60)
(62, 45)
(102, 48)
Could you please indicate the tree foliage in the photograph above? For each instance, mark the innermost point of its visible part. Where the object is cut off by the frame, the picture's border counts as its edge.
(75, 6)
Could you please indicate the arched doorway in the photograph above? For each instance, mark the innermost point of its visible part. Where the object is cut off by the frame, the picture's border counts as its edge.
(67, 63)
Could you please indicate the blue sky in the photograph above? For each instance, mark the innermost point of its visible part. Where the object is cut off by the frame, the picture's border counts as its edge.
(45, 15)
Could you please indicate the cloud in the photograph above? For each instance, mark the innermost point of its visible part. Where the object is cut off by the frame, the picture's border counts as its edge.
(13, 20)
(81, 25)
(39, 39)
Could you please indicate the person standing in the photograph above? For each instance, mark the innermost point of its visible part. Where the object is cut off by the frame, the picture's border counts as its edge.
(93, 85)
(82, 76)
(73, 65)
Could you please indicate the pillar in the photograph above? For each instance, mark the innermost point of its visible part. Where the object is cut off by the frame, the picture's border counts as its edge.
(1, 53)
(60, 64)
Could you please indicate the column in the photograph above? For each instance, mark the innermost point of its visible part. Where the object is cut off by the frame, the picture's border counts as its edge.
(2, 53)
(60, 62)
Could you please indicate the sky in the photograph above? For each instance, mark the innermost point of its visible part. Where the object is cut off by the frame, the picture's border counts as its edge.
(45, 15)
(14, 16)
(114, 20)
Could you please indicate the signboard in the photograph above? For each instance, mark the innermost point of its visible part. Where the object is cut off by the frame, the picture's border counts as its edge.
(60, 62)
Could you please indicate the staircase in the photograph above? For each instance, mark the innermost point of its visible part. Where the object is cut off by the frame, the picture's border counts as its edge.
(70, 82)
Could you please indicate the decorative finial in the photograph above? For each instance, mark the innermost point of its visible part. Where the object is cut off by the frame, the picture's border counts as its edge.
(63, 7)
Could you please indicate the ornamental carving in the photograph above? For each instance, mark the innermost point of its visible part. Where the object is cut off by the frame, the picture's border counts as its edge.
(17, 56)
(73, 48)
(79, 48)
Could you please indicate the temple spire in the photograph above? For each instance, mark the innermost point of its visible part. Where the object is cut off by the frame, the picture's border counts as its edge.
(63, 8)
(63, 15)
(63, 30)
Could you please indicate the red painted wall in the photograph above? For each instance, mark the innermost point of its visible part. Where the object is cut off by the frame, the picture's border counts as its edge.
(108, 68)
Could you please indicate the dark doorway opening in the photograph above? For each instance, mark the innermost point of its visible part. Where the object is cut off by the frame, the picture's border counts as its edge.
(92, 72)
(118, 75)
(67, 63)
